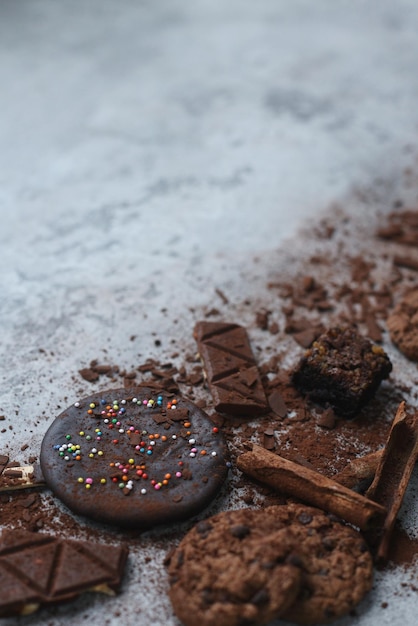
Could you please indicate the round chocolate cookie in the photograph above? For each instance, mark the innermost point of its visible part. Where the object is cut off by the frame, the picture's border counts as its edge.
(220, 568)
(403, 325)
(134, 461)
(337, 567)
(234, 568)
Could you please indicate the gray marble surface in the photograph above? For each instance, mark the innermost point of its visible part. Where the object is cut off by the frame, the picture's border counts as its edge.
(150, 150)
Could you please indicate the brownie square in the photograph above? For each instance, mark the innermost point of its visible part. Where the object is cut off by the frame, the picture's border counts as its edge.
(342, 369)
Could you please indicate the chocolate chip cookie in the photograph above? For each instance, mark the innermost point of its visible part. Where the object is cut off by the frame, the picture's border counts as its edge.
(234, 568)
(403, 325)
(337, 567)
(251, 566)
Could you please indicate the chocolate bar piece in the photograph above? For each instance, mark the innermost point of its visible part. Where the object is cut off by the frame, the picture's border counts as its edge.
(231, 370)
(14, 476)
(38, 569)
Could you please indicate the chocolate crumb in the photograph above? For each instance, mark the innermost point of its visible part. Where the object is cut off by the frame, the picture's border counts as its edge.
(327, 419)
(277, 404)
(268, 439)
(88, 374)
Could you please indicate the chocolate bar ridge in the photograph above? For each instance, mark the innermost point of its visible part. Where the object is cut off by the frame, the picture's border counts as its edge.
(38, 569)
(230, 368)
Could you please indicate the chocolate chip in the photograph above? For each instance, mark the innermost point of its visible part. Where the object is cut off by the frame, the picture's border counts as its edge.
(240, 531)
(305, 518)
(294, 559)
(328, 543)
(261, 597)
(207, 597)
(203, 528)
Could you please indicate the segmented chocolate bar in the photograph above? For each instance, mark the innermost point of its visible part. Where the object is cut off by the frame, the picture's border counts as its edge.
(231, 369)
(38, 569)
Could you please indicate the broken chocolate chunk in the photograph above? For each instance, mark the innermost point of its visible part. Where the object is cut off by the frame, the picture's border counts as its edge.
(268, 439)
(277, 404)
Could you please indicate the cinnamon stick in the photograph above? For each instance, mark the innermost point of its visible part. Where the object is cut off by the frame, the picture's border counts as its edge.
(311, 487)
(393, 473)
(360, 472)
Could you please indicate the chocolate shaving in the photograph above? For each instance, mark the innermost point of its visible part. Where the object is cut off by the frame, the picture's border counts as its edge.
(178, 415)
(277, 404)
(89, 374)
(268, 439)
(402, 228)
(306, 337)
(408, 262)
(222, 296)
(262, 319)
(327, 419)
(373, 329)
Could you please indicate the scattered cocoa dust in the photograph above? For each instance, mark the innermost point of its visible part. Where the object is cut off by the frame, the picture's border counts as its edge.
(339, 288)
(404, 549)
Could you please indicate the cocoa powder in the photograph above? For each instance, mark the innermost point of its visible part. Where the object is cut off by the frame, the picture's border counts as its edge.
(353, 277)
